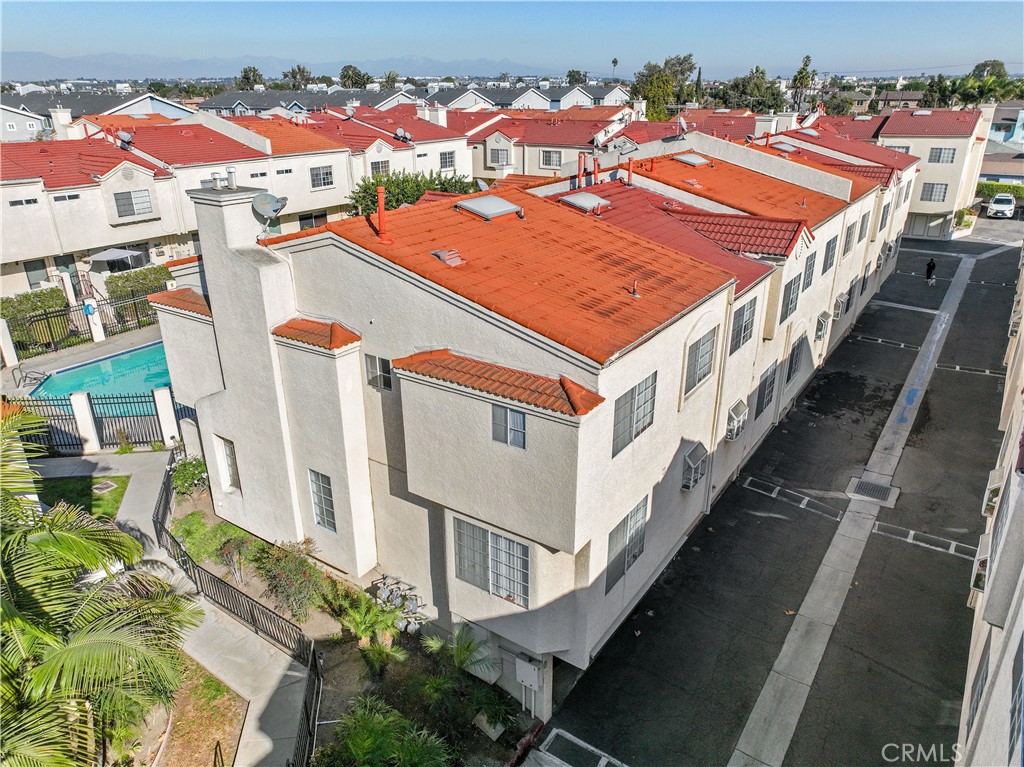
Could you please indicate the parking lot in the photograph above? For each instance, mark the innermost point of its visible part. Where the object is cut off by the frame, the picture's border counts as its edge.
(677, 683)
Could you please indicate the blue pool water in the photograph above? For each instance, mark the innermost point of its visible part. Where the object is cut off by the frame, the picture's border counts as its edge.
(136, 372)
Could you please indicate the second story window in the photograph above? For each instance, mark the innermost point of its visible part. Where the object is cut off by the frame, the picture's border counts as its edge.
(378, 372)
(550, 158)
(508, 426)
(448, 160)
(135, 203)
(943, 155)
(809, 270)
(626, 544)
(851, 232)
(900, 148)
(699, 359)
(230, 475)
(864, 221)
(830, 254)
(492, 562)
(765, 390)
(906, 192)
(634, 413)
(323, 500)
(742, 325)
(885, 216)
(321, 177)
(790, 297)
(380, 168)
(27, 201)
(499, 157)
(934, 192)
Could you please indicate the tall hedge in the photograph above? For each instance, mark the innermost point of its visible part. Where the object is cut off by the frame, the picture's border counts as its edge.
(150, 279)
(24, 304)
(404, 188)
(989, 189)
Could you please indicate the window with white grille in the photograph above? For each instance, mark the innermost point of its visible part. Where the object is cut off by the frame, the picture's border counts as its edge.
(380, 167)
(699, 359)
(900, 148)
(492, 562)
(321, 177)
(796, 359)
(134, 203)
(934, 192)
(30, 125)
(821, 328)
(695, 466)
(830, 254)
(864, 221)
(625, 544)
(508, 426)
(790, 297)
(742, 325)
(634, 413)
(378, 372)
(978, 685)
(448, 160)
(885, 216)
(765, 390)
(944, 155)
(851, 232)
(550, 158)
(230, 474)
(323, 500)
(809, 270)
(499, 157)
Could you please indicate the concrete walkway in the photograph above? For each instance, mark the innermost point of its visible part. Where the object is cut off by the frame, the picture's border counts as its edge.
(269, 679)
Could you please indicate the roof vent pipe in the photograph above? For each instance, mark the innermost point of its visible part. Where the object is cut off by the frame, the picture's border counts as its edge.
(231, 177)
(597, 170)
(629, 176)
(579, 171)
(633, 292)
(380, 215)
(216, 180)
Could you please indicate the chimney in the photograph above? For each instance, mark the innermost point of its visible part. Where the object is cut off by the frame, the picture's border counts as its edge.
(765, 124)
(381, 232)
(61, 120)
(579, 171)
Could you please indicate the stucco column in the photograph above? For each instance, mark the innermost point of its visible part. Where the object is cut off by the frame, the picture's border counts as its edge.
(7, 350)
(165, 414)
(190, 436)
(92, 313)
(81, 408)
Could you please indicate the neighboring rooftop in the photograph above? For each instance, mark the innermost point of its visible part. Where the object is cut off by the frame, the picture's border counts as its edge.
(863, 150)
(862, 127)
(286, 137)
(560, 395)
(937, 122)
(324, 335)
(63, 164)
(564, 276)
(183, 299)
(189, 145)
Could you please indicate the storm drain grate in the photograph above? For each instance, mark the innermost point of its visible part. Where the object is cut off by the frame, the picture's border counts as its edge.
(872, 490)
(103, 487)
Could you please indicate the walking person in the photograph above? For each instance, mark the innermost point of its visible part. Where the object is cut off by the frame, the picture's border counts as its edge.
(929, 273)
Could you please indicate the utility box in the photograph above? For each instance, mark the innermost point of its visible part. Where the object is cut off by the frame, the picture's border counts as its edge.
(528, 671)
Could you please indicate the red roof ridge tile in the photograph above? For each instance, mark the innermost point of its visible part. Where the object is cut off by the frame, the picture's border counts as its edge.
(182, 261)
(561, 395)
(324, 335)
(183, 299)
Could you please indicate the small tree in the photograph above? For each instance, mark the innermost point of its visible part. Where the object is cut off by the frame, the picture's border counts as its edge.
(390, 79)
(352, 76)
(249, 79)
(462, 650)
(838, 104)
(298, 76)
(401, 188)
(989, 68)
(575, 77)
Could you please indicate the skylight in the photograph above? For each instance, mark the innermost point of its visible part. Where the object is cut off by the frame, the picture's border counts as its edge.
(585, 201)
(721, 111)
(691, 159)
(808, 132)
(862, 118)
(921, 113)
(489, 207)
(782, 146)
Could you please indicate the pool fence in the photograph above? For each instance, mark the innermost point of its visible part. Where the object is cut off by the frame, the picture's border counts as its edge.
(84, 423)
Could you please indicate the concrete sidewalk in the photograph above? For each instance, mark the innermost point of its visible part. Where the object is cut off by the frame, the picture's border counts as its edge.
(268, 678)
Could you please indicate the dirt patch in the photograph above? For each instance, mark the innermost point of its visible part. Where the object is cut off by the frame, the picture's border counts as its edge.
(206, 713)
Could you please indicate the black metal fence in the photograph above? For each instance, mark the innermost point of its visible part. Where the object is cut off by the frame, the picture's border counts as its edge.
(124, 313)
(305, 738)
(61, 434)
(126, 419)
(49, 331)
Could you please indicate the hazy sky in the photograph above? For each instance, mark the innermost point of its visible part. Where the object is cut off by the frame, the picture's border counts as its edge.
(726, 38)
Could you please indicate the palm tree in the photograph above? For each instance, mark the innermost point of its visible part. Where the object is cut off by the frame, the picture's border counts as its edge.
(390, 79)
(79, 658)
(462, 650)
(615, 63)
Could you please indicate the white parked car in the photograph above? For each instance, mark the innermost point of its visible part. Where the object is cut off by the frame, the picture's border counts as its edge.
(1001, 206)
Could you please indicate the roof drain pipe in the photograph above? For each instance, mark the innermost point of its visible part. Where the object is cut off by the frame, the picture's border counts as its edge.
(579, 171)
(381, 235)
(597, 171)
(629, 175)
(231, 177)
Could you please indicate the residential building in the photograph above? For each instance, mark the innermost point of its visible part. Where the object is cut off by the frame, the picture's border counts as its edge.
(899, 99)
(239, 103)
(60, 109)
(522, 400)
(20, 125)
(1003, 167)
(860, 100)
(1008, 125)
(993, 704)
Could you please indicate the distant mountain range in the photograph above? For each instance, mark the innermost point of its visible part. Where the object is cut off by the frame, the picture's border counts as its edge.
(22, 66)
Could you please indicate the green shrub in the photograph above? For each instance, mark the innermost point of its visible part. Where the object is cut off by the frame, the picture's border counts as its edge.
(151, 279)
(293, 581)
(190, 476)
(201, 540)
(124, 443)
(988, 189)
(404, 188)
(157, 445)
(32, 302)
(964, 216)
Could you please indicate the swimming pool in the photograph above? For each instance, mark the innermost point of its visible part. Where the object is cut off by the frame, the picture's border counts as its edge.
(138, 371)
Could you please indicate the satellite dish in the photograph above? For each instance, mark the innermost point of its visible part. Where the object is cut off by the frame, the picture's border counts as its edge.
(125, 136)
(350, 111)
(482, 184)
(268, 205)
(400, 133)
(408, 136)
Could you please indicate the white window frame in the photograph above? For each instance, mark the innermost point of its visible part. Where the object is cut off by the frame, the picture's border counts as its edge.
(552, 161)
(830, 255)
(634, 413)
(229, 475)
(508, 426)
(12, 127)
(20, 203)
(766, 390)
(66, 197)
(906, 191)
(446, 160)
(865, 221)
(790, 298)
(743, 325)
(930, 189)
(885, 216)
(283, 171)
(851, 234)
(505, 568)
(796, 360)
(942, 155)
(379, 373)
(821, 328)
(809, 270)
(839, 307)
(700, 357)
(31, 125)
(626, 544)
(899, 148)
(499, 157)
(695, 466)
(380, 167)
(311, 218)
(321, 177)
(736, 420)
(139, 199)
(323, 500)
(258, 174)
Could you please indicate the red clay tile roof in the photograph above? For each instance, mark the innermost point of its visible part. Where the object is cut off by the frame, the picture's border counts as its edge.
(742, 233)
(520, 180)
(862, 150)
(185, 299)
(349, 133)
(325, 335)
(860, 185)
(561, 395)
(432, 195)
(590, 113)
(563, 276)
(544, 132)
(182, 261)
(880, 174)
(844, 125)
(465, 123)
(743, 190)
(645, 213)
(727, 126)
(390, 121)
(286, 137)
(119, 122)
(189, 145)
(643, 131)
(941, 122)
(63, 164)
